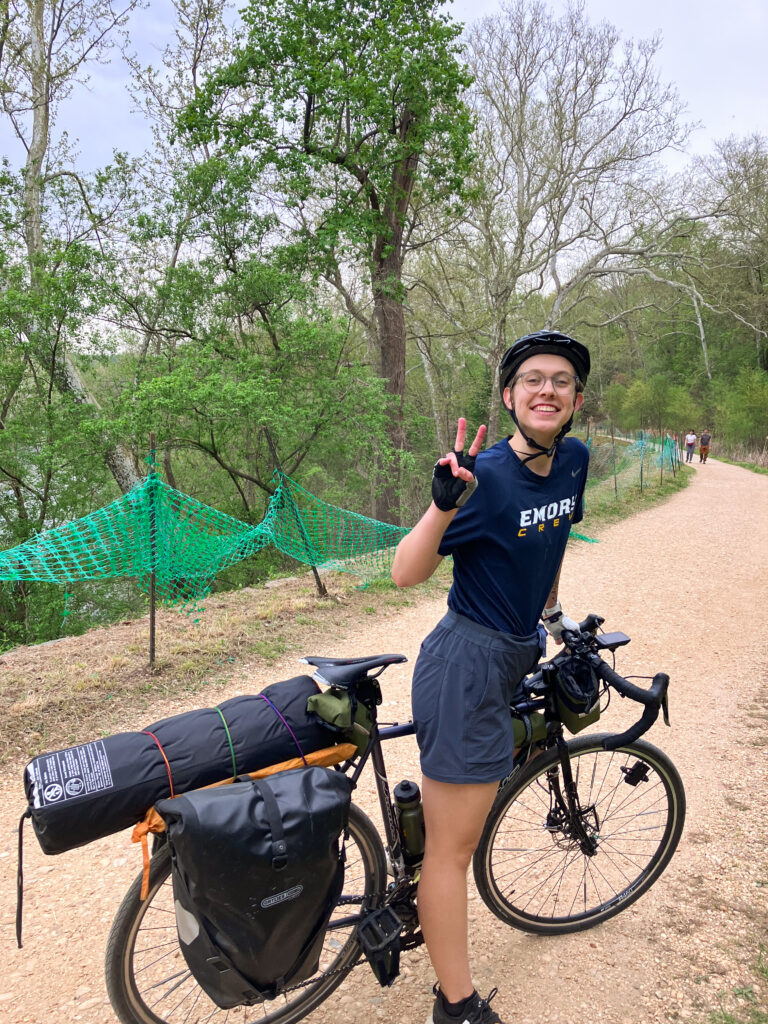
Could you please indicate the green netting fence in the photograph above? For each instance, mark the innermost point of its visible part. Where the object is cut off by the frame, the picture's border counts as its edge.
(175, 545)
(620, 464)
(187, 543)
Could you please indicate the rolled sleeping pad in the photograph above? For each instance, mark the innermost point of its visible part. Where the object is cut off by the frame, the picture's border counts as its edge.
(83, 793)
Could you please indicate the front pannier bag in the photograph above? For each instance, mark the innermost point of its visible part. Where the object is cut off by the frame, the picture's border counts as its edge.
(257, 871)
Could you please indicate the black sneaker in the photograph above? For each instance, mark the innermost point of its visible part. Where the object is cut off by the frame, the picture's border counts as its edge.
(477, 1011)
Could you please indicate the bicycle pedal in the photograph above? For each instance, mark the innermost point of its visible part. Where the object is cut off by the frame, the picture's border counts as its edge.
(379, 936)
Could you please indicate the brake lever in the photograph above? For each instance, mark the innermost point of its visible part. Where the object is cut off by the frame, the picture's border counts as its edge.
(665, 707)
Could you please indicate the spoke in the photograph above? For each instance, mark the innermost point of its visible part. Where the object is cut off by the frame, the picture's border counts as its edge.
(152, 963)
(191, 1010)
(160, 909)
(160, 945)
(172, 990)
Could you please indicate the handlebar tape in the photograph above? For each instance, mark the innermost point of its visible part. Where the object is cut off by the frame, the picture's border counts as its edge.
(651, 696)
(650, 714)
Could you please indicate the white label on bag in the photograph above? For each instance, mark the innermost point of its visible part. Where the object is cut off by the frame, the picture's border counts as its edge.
(282, 897)
(68, 774)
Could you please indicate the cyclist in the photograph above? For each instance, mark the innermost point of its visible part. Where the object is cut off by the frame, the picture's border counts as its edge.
(505, 515)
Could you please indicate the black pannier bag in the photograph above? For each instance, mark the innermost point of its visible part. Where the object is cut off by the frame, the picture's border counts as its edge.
(257, 870)
(89, 791)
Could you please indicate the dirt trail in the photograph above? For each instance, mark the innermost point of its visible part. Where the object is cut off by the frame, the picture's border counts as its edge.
(688, 581)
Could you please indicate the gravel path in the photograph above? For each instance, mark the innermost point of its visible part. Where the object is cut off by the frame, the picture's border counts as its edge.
(687, 580)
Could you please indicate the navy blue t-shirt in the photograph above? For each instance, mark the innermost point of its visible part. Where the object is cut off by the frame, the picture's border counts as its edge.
(508, 541)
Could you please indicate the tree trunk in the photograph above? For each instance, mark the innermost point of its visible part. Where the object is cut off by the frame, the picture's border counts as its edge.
(498, 421)
(443, 441)
(390, 321)
(702, 332)
(122, 463)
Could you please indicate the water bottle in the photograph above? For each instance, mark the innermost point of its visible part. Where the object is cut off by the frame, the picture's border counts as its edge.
(410, 816)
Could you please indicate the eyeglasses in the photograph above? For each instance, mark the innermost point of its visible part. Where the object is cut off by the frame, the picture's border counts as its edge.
(534, 381)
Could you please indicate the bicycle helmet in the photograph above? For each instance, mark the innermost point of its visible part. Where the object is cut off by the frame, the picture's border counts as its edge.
(546, 343)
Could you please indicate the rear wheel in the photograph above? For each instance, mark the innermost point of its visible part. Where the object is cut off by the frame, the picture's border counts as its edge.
(147, 976)
(537, 873)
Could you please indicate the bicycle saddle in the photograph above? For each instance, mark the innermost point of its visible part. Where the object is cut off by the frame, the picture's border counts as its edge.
(344, 671)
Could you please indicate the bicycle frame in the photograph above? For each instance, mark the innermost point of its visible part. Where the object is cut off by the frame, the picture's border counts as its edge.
(568, 801)
(386, 803)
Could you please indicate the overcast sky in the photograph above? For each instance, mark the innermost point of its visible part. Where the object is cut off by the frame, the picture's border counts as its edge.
(713, 50)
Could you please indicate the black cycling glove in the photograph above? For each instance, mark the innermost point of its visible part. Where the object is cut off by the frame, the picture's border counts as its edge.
(449, 491)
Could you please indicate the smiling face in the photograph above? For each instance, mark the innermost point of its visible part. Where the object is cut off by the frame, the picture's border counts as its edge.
(542, 413)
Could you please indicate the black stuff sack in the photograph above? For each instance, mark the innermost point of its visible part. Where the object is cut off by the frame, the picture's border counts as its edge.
(578, 694)
(86, 792)
(257, 869)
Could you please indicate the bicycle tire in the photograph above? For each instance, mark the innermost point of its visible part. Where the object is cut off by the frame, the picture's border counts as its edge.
(148, 980)
(534, 876)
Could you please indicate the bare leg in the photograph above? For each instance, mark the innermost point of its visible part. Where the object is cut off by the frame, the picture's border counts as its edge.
(454, 816)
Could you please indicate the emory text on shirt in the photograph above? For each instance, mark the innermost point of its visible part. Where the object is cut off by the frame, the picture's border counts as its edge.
(546, 513)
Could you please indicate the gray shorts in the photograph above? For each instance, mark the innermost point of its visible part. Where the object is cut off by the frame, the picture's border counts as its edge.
(464, 679)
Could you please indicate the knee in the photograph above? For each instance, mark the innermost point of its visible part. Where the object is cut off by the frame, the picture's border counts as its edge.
(454, 854)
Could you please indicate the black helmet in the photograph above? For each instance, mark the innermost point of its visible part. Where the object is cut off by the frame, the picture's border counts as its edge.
(548, 343)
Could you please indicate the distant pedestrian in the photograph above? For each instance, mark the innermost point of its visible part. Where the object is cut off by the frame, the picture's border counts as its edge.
(704, 440)
(690, 444)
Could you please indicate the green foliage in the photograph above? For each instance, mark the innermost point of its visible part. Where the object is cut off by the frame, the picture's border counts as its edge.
(743, 408)
(188, 296)
(51, 443)
(353, 116)
(654, 402)
(615, 401)
(347, 103)
(295, 380)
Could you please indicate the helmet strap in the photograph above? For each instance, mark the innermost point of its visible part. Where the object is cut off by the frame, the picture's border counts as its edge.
(540, 448)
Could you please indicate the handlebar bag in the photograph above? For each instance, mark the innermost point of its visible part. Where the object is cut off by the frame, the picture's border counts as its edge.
(578, 694)
(82, 793)
(257, 869)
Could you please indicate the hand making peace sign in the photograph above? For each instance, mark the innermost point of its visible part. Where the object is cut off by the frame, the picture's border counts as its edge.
(453, 479)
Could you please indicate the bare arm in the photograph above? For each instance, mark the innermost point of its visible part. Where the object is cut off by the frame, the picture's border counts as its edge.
(552, 614)
(416, 557)
(552, 599)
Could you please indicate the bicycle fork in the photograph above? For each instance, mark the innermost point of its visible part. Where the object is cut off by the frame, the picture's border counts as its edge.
(566, 815)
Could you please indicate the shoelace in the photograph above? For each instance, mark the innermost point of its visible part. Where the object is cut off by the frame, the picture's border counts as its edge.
(485, 1007)
(485, 1003)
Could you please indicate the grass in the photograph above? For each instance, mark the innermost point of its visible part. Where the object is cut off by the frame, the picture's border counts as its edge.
(603, 505)
(753, 467)
(746, 1003)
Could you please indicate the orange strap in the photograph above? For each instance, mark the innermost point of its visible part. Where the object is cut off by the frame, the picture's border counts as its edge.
(145, 867)
(152, 822)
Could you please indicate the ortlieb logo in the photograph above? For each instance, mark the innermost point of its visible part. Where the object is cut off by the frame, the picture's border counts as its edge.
(282, 897)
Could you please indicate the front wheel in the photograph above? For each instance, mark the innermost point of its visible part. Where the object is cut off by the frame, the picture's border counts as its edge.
(539, 871)
(148, 980)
